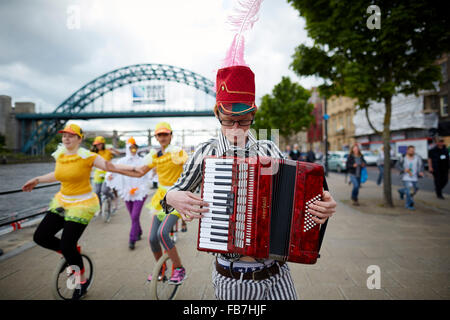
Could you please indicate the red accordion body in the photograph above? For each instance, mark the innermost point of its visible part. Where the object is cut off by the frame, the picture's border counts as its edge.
(259, 208)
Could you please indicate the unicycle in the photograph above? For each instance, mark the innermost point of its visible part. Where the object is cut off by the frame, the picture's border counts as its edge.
(106, 208)
(160, 287)
(64, 282)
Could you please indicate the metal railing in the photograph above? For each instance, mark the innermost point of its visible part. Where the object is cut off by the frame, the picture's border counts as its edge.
(19, 219)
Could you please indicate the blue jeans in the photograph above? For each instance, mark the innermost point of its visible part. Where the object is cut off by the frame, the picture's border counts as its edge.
(406, 190)
(356, 181)
(380, 174)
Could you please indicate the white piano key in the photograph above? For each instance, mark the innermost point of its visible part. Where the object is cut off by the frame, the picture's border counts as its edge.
(217, 178)
(210, 187)
(209, 229)
(211, 245)
(209, 221)
(215, 235)
(208, 225)
(216, 215)
(211, 199)
(222, 242)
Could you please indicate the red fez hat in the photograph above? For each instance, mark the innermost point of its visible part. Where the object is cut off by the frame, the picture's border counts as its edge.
(235, 93)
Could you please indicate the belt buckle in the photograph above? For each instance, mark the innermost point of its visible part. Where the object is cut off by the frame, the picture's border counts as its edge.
(254, 272)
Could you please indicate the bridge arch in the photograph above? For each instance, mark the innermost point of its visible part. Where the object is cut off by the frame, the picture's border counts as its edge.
(77, 102)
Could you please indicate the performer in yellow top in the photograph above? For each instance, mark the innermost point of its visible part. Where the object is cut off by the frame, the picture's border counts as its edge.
(73, 207)
(168, 163)
(98, 146)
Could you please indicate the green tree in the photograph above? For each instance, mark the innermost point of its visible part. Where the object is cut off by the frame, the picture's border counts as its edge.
(286, 109)
(373, 64)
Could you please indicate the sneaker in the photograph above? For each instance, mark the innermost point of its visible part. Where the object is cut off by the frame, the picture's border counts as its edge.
(178, 276)
(131, 245)
(81, 292)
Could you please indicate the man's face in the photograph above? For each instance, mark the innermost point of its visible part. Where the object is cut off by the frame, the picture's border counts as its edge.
(440, 144)
(410, 151)
(234, 131)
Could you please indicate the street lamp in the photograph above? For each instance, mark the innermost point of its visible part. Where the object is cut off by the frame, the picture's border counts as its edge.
(325, 118)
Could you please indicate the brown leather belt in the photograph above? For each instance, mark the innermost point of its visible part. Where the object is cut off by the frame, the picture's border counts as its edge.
(256, 275)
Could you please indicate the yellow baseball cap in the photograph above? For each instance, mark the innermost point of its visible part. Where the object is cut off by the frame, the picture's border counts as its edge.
(73, 129)
(163, 127)
(98, 140)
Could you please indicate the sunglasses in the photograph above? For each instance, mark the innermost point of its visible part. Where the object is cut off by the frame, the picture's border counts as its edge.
(230, 123)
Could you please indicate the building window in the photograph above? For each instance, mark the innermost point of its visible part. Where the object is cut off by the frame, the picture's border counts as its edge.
(444, 106)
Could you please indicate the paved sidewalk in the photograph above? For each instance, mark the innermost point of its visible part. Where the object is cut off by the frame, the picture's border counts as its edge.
(411, 249)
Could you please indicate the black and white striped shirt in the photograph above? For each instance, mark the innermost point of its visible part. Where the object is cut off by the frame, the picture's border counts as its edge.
(192, 174)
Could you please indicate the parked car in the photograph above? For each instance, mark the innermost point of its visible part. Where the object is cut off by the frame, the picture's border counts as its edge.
(370, 157)
(337, 161)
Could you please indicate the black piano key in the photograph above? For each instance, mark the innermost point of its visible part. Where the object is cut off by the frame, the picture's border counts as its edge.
(219, 219)
(219, 227)
(221, 212)
(224, 169)
(219, 204)
(222, 177)
(218, 240)
(221, 191)
(217, 183)
(223, 163)
(220, 198)
(219, 234)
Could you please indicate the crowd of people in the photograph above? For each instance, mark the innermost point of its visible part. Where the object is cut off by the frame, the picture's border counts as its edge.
(294, 153)
(410, 166)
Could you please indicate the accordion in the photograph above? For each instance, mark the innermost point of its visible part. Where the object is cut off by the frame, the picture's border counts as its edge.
(258, 207)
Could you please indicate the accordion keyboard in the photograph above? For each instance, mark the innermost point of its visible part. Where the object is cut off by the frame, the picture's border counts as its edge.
(217, 191)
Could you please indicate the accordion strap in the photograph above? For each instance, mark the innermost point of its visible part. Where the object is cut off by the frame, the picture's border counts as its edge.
(321, 235)
(324, 225)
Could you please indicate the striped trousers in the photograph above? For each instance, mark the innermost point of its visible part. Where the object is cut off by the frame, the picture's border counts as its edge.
(278, 287)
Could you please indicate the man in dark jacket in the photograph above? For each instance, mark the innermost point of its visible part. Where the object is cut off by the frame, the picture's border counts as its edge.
(438, 165)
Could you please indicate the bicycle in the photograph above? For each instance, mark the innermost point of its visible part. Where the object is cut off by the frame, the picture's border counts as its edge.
(160, 287)
(107, 204)
(65, 281)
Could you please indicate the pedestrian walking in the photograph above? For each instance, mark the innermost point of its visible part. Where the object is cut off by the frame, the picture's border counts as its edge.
(355, 162)
(411, 168)
(132, 190)
(438, 165)
(295, 153)
(310, 156)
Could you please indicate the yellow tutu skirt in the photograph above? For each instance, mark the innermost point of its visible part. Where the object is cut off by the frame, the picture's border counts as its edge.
(99, 176)
(79, 208)
(155, 206)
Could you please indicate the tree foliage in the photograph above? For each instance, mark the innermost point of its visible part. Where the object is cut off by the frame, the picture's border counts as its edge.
(286, 109)
(373, 64)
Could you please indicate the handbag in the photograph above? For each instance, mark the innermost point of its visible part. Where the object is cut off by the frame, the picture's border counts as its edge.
(363, 174)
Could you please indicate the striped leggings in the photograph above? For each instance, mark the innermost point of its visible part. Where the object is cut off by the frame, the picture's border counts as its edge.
(159, 232)
(278, 287)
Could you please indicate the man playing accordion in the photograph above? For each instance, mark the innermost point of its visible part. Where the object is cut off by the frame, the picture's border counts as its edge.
(235, 109)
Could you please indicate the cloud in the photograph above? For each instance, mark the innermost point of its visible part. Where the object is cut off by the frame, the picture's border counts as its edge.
(45, 61)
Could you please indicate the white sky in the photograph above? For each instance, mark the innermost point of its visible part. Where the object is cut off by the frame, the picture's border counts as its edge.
(45, 61)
